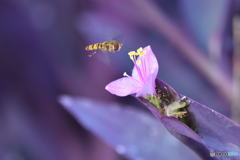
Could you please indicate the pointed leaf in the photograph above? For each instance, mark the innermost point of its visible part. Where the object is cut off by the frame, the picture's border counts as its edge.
(131, 132)
(214, 132)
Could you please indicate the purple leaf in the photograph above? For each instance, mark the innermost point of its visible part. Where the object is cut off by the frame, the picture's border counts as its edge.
(213, 131)
(132, 132)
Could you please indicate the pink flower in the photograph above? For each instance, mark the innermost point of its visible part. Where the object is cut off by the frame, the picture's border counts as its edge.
(144, 73)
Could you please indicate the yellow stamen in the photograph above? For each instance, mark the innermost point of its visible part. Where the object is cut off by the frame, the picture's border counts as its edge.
(131, 53)
(138, 62)
(131, 57)
(141, 53)
(139, 50)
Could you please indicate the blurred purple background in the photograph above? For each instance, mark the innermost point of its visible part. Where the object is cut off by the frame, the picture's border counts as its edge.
(42, 56)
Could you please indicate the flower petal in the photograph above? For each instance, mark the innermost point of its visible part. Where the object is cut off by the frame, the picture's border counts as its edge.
(148, 88)
(124, 86)
(148, 65)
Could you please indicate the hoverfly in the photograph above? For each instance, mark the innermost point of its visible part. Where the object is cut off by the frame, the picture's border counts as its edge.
(106, 46)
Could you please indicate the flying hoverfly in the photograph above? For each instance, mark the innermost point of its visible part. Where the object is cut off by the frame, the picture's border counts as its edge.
(106, 46)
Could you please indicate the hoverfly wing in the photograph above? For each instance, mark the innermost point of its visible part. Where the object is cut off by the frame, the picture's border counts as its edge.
(92, 54)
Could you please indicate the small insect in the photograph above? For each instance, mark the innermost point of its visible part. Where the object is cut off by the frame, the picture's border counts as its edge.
(177, 108)
(106, 46)
(171, 103)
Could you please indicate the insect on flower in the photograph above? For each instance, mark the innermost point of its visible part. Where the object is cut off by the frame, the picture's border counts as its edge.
(142, 84)
(106, 46)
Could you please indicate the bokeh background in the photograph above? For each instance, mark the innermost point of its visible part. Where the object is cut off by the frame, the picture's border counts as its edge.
(42, 57)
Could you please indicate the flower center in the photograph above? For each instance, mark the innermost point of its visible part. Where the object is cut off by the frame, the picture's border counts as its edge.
(134, 57)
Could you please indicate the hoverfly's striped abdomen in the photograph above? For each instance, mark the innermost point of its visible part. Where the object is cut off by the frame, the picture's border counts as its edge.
(96, 46)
